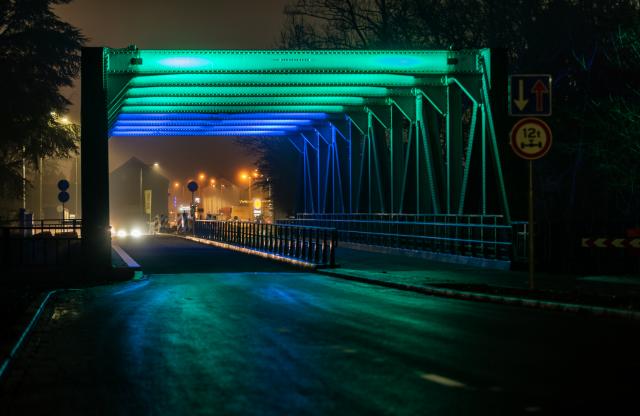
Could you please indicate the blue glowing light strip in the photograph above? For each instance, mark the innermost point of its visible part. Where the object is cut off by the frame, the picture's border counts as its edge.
(224, 116)
(204, 128)
(225, 133)
(250, 122)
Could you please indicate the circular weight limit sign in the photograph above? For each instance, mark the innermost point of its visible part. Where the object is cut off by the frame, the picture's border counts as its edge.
(531, 138)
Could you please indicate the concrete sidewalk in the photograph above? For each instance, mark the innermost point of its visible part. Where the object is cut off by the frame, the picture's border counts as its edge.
(411, 272)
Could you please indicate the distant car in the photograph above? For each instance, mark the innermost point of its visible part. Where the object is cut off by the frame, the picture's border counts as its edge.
(126, 229)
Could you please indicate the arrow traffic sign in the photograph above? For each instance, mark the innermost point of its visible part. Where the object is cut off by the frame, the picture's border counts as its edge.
(530, 95)
(601, 242)
(610, 242)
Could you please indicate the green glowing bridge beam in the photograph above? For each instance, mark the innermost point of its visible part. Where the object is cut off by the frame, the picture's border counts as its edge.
(227, 91)
(249, 101)
(274, 61)
(230, 109)
(295, 79)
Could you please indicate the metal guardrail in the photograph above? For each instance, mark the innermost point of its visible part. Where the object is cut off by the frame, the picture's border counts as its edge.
(484, 236)
(47, 226)
(310, 244)
(43, 246)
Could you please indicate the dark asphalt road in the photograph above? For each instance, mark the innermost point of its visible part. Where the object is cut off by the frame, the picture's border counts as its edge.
(220, 338)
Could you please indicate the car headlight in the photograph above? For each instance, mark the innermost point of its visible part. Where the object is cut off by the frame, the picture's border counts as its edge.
(136, 233)
(122, 233)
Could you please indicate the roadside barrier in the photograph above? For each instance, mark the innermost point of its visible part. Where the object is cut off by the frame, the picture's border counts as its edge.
(316, 245)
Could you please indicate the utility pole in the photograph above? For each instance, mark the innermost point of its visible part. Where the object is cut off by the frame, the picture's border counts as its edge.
(24, 181)
(41, 210)
(77, 193)
(141, 197)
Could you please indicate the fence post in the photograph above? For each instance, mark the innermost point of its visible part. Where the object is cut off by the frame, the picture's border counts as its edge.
(325, 247)
(303, 249)
(334, 243)
(317, 247)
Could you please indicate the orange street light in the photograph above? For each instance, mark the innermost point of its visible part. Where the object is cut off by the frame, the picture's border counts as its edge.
(202, 176)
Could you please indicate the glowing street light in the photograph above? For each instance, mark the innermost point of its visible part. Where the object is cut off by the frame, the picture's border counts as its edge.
(156, 164)
(244, 176)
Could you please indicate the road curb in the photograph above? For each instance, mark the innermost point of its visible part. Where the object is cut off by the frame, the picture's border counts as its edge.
(25, 333)
(487, 298)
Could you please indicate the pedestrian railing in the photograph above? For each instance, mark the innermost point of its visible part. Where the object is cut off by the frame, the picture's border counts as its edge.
(43, 245)
(485, 236)
(49, 227)
(310, 244)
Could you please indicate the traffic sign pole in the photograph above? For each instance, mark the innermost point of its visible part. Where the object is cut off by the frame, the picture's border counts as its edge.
(531, 236)
(193, 187)
(531, 139)
(63, 195)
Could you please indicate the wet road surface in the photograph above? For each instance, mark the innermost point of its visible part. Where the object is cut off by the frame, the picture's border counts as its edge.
(233, 334)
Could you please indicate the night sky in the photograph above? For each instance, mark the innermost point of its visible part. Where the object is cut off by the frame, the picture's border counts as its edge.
(171, 24)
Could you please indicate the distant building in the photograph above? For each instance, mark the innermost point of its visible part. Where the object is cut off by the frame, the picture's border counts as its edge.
(137, 193)
(219, 198)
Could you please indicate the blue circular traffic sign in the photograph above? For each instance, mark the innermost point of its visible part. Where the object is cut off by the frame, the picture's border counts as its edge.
(192, 186)
(63, 196)
(63, 184)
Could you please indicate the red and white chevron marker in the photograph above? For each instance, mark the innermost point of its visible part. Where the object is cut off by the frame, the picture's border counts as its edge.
(611, 242)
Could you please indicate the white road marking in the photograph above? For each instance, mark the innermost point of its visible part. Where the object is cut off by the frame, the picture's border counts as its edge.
(444, 381)
(125, 257)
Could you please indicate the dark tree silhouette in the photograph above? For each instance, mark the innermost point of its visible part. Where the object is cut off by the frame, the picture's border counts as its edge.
(589, 181)
(39, 54)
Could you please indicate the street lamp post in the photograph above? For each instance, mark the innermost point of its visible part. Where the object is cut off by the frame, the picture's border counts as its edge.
(141, 197)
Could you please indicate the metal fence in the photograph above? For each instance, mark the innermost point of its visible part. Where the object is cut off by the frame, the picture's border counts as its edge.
(43, 244)
(483, 236)
(311, 244)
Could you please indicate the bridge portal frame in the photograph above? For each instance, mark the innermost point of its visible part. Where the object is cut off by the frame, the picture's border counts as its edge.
(377, 131)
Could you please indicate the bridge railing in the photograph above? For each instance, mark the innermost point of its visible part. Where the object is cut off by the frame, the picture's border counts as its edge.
(42, 243)
(485, 236)
(310, 244)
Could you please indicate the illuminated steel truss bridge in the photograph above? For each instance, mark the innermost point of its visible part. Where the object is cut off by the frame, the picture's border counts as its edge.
(384, 132)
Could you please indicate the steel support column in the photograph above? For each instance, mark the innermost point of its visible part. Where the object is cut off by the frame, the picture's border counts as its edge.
(396, 158)
(96, 238)
(454, 149)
